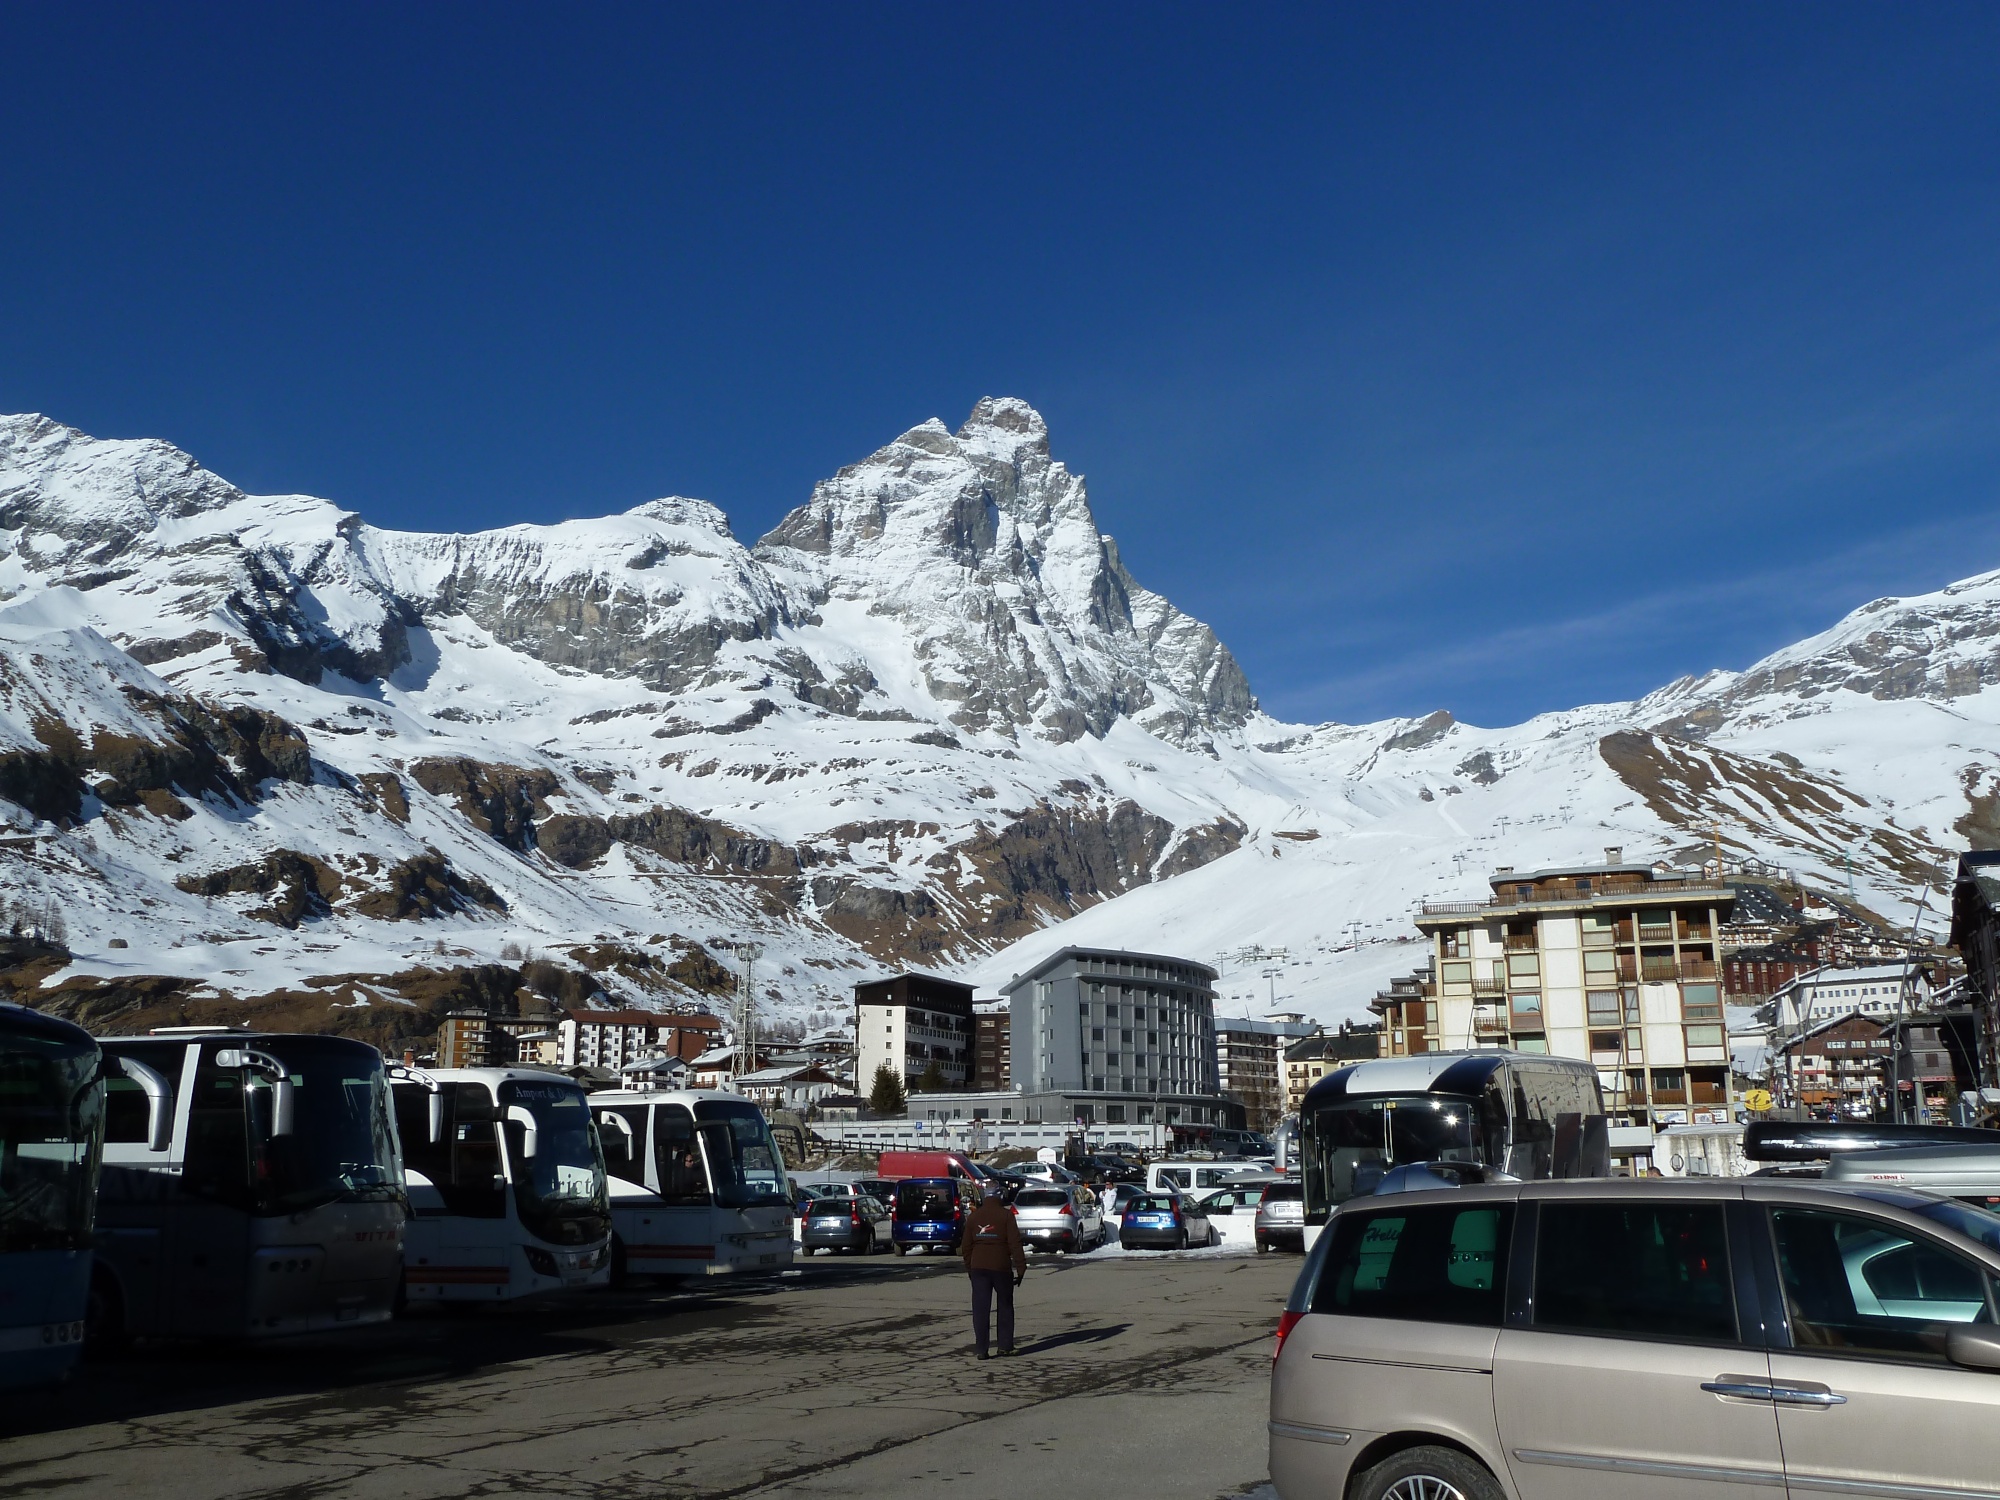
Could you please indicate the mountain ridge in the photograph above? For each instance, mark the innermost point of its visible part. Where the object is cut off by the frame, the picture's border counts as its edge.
(927, 718)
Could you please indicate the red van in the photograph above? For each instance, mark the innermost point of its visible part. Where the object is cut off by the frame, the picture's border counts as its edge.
(898, 1165)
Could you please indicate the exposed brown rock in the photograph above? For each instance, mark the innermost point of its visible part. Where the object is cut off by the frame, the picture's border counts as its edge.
(385, 790)
(304, 886)
(426, 886)
(499, 800)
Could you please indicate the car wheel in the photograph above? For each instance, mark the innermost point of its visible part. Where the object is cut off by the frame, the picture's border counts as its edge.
(1214, 1236)
(1427, 1474)
(1181, 1243)
(900, 1248)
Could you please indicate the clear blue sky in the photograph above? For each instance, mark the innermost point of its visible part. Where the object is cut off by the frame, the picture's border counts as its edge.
(1499, 358)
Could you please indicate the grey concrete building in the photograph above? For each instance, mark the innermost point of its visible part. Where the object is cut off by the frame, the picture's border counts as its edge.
(1106, 1029)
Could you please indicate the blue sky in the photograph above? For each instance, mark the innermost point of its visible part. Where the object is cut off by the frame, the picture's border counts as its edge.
(1496, 357)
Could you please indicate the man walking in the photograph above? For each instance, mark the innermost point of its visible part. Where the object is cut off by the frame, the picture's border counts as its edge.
(997, 1263)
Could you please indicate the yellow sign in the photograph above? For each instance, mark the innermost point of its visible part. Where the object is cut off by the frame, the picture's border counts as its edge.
(1757, 1101)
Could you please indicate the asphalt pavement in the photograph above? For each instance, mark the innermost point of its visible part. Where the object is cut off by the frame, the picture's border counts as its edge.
(1144, 1376)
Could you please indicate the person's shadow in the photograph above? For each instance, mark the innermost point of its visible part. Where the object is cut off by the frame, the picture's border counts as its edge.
(1075, 1336)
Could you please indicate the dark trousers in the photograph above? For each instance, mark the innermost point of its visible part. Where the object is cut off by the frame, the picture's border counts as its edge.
(986, 1285)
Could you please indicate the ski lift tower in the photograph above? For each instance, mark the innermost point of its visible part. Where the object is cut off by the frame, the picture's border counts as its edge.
(746, 1007)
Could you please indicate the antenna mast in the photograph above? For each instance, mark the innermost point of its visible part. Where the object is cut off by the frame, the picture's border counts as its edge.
(746, 1008)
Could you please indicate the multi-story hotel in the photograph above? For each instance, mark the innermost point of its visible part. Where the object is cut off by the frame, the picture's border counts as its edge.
(913, 1023)
(1614, 962)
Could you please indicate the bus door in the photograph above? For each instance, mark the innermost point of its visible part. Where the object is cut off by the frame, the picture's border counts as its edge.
(138, 1192)
(460, 1234)
(208, 1238)
(685, 1225)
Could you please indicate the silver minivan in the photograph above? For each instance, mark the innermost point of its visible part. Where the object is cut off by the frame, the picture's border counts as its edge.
(1642, 1339)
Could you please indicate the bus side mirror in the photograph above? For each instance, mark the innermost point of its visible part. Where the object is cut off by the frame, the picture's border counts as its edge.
(521, 1115)
(159, 1117)
(283, 1107)
(436, 1116)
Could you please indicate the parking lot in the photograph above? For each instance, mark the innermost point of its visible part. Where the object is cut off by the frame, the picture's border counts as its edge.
(1140, 1375)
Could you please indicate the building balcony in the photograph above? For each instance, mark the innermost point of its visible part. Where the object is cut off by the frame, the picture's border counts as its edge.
(1489, 986)
(1517, 942)
(1489, 1021)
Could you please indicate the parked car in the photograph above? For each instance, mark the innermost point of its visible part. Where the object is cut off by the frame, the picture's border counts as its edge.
(929, 1212)
(846, 1222)
(1006, 1184)
(1044, 1171)
(878, 1187)
(1224, 1202)
(1281, 1217)
(1059, 1218)
(1184, 1172)
(833, 1189)
(1641, 1337)
(1165, 1221)
(1103, 1169)
(1116, 1197)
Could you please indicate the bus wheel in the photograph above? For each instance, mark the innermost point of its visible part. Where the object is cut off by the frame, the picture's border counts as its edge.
(618, 1271)
(103, 1315)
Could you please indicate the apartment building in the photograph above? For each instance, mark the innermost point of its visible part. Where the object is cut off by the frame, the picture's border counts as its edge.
(1249, 1062)
(912, 1022)
(1879, 990)
(1840, 1063)
(1614, 963)
(993, 1046)
(612, 1038)
(1307, 1062)
(1406, 1013)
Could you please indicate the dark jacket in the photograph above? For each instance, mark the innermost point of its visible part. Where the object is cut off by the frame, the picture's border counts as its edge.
(991, 1240)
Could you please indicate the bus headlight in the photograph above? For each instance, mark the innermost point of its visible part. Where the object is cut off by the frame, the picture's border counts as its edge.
(541, 1262)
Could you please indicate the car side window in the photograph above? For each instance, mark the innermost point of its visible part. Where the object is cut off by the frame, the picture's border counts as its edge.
(1442, 1264)
(1635, 1269)
(1864, 1286)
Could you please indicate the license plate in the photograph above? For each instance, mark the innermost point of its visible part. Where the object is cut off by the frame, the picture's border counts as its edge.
(1153, 1221)
(828, 1223)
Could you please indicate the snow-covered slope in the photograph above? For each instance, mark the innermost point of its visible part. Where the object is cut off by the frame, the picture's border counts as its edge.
(930, 719)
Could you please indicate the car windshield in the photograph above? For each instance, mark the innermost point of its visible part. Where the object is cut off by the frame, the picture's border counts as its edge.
(744, 1167)
(342, 1143)
(51, 1114)
(1350, 1144)
(559, 1191)
(1041, 1198)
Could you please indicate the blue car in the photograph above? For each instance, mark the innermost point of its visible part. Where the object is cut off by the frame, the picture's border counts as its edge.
(929, 1211)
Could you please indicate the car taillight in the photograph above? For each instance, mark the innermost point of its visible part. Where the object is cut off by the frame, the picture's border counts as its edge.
(855, 1213)
(1065, 1212)
(1287, 1321)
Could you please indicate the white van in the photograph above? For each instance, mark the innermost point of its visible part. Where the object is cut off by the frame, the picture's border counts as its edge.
(1199, 1176)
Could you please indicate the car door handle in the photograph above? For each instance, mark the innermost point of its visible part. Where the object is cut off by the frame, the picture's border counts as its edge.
(1806, 1395)
(1739, 1386)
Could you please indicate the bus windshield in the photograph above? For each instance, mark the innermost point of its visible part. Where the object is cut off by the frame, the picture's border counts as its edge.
(1349, 1145)
(51, 1114)
(560, 1191)
(343, 1140)
(744, 1167)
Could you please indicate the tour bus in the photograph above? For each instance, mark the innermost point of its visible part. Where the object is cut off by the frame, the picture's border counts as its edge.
(51, 1130)
(697, 1184)
(251, 1186)
(506, 1181)
(1522, 1114)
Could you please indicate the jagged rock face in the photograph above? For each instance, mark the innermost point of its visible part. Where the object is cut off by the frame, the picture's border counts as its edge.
(1019, 612)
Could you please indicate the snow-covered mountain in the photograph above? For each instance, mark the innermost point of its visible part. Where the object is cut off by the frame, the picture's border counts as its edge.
(353, 775)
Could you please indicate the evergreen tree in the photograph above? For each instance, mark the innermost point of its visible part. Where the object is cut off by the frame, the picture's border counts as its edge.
(931, 1080)
(885, 1094)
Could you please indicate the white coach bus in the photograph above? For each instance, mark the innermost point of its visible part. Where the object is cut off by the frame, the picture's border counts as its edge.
(697, 1184)
(506, 1182)
(251, 1187)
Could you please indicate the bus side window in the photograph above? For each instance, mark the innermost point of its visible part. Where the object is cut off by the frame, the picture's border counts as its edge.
(218, 1146)
(478, 1188)
(1534, 1128)
(625, 1156)
(677, 1156)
